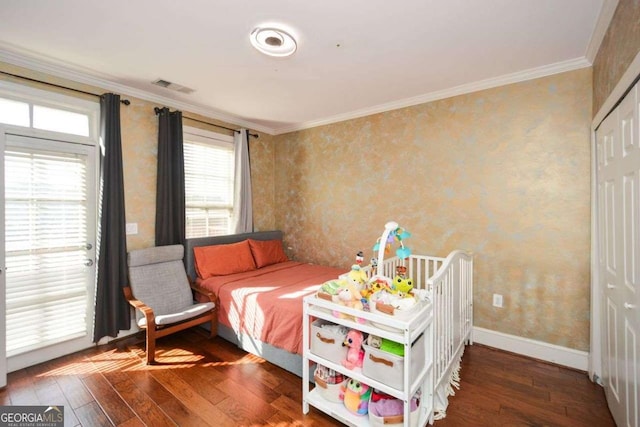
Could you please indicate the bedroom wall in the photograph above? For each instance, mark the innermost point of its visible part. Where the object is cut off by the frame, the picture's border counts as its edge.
(503, 172)
(139, 151)
(619, 47)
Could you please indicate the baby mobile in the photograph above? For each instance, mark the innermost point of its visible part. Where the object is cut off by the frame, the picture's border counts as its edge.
(392, 233)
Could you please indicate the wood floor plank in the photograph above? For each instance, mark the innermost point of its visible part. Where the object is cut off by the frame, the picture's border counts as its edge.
(245, 413)
(191, 399)
(293, 410)
(242, 404)
(594, 415)
(91, 415)
(150, 386)
(110, 401)
(145, 408)
(516, 389)
(5, 400)
(49, 393)
(21, 390)
(182, 415)
(74, 390)
(134, 422)
(202, 379)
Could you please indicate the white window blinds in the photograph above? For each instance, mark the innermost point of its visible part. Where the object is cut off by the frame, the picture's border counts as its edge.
(46, 237)
(209, 176)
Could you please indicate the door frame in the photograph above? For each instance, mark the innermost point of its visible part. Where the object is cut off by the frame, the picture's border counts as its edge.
(597, 314)
(3, 289)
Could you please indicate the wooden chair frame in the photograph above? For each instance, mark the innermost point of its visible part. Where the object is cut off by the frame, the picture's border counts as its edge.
(153, 331)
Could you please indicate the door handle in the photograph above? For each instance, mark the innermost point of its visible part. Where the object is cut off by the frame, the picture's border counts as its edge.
(88, 262)
(610, 286)
(629, 306)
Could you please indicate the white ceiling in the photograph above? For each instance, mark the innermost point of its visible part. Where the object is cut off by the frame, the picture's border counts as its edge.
(355, 57)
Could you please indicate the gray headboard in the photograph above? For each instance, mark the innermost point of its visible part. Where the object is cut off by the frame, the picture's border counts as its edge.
(222, 240)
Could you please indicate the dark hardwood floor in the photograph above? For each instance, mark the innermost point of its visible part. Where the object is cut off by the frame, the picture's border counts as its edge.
(200, 382)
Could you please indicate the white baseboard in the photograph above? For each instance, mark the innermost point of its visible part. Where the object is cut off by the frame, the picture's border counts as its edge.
(564, 356)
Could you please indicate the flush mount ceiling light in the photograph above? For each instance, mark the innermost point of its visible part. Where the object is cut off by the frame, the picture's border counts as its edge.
(273, 41)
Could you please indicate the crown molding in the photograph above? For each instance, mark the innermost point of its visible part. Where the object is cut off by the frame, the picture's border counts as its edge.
(607, 11)
(54, 67)
(45, 64)
(533, 73)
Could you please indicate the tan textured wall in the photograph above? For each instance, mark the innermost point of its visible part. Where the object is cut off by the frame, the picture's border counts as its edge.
(139, 152)
(262, 153)
(619, 47)
(502, 172)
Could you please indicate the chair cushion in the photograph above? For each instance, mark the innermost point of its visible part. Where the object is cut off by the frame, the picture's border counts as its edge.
(187, 313)
(158, 279)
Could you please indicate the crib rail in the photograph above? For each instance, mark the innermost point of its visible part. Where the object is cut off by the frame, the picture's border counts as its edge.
(419, 267)
(452, 297)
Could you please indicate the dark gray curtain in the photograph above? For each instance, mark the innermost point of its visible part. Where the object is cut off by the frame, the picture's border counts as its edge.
(170, 204)
(112, 310)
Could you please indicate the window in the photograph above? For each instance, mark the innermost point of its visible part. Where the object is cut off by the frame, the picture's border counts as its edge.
(209, 164)
(26, 107)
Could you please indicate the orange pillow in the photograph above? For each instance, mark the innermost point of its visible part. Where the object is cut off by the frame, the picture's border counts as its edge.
(220, 260)
(267, 252)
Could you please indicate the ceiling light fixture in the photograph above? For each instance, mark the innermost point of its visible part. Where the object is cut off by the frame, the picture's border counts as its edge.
(273, 41)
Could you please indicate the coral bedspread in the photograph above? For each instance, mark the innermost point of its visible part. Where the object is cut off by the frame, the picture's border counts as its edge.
(267, 303)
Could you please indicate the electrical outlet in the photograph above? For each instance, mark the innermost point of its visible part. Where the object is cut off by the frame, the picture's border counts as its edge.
(497, 300)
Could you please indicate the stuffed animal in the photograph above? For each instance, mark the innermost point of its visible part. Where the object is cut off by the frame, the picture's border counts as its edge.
(357, 276)
(355, 396)
(402, 285)
(349, 297)
(355, 354)
(331, 287)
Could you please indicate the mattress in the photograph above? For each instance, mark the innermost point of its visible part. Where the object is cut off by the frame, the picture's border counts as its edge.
(266, 304)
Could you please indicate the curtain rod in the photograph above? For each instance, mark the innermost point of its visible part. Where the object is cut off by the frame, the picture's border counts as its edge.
(123, 101)
(255, 135)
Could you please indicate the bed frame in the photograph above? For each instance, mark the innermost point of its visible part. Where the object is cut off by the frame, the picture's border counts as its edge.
(290, 361)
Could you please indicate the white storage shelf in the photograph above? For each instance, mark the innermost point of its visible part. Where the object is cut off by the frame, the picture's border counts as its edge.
(402, 330)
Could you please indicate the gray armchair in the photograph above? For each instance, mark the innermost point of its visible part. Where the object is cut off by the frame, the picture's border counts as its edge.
(161, 294)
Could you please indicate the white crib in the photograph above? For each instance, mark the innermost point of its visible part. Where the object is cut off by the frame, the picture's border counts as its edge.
(449, 285)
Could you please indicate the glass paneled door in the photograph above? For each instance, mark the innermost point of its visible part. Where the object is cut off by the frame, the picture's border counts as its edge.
(50, 217)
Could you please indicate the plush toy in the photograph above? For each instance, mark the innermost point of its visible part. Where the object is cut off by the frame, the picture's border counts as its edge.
(331, 287)
(402, 285)
(378, 284)
(355, 354)
(349, 297)
(355, 396)
(358, 277)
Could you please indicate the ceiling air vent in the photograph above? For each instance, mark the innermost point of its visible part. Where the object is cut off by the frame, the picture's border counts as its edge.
(173, 86)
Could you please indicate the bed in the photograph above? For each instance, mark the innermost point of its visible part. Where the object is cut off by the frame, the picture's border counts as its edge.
(255, 304)
(260, 310)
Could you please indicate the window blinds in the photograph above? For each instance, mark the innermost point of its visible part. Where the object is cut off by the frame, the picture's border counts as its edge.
(46, 238)
(209, 175)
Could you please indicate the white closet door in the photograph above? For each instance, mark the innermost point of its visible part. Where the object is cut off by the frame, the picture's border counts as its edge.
(618, 183)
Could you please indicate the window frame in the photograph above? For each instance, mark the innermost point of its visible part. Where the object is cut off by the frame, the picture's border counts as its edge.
(32, 96)
(206, 137)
